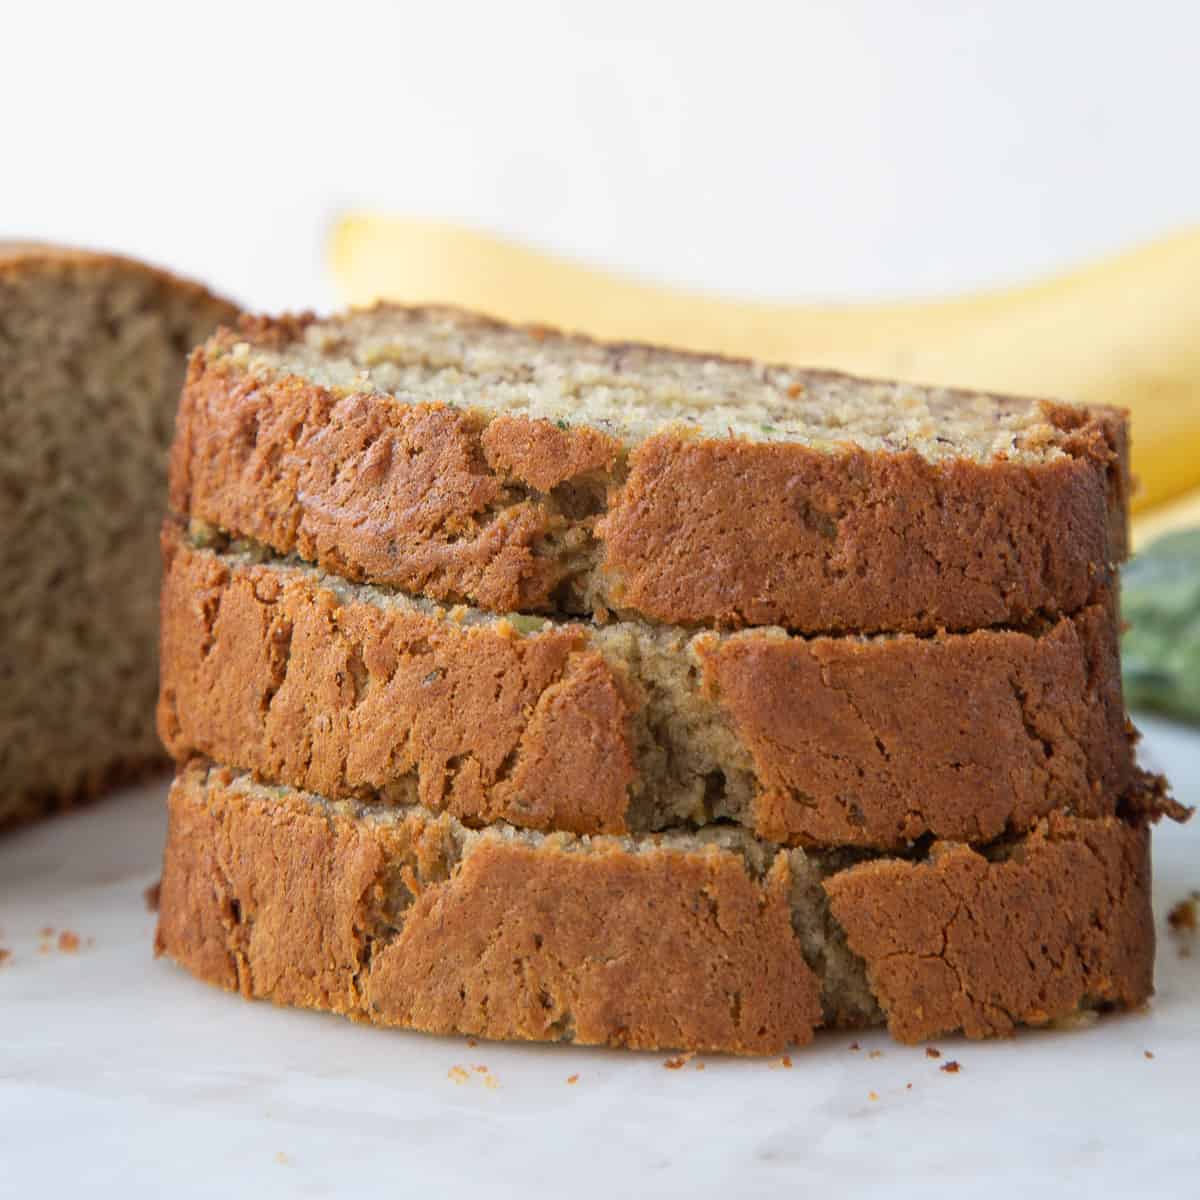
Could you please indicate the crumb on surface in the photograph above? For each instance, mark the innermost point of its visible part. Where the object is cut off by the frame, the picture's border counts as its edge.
(68, 942)
(932, 1052)
(461, 1074)
(875, 1054)
(1082, 1018)
(5, 955)
(281, 1158)
(951, 1067)
(699, 1066)
(679, 1061)
(573, 1078)
(472, 1043)
(872, 1095)
(786, 1061)
(908, 1087)
(47, 931)
(152, 895)
(1183, 918)
(1148, 1053)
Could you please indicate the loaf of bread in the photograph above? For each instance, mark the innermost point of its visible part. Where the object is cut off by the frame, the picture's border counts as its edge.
(92, 356)
(521, 470)
(346, 690)
(705, 940)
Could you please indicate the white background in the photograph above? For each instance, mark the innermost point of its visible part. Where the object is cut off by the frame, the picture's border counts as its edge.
(835, 150)
(839, 149)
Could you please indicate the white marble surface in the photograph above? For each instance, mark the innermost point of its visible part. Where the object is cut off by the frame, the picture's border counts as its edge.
(120, 1075)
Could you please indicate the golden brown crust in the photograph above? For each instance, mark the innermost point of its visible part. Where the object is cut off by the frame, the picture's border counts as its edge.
(745, 533)
(411, 922)
(543, 456)
(661, 949)
(848, 741)
(963, 943)
(965, 736)
(262, 669)
(1102, 435)
(725, 531)
(398, 494)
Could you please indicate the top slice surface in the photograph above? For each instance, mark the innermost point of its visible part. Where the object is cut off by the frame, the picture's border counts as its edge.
(631, 391)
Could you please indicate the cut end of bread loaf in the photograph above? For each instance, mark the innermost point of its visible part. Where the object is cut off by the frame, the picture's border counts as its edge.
(92, 356)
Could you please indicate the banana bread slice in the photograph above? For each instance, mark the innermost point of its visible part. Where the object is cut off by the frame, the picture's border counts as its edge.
(524, 470)
(708, 940)
(346, 690)
(93, 350)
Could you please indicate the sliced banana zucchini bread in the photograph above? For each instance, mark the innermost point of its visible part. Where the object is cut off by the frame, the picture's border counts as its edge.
(521, 470)
(353, 691)
(704, 940)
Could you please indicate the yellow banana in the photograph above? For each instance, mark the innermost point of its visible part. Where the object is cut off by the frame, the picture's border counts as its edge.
(1125, 331)
(1181, 513)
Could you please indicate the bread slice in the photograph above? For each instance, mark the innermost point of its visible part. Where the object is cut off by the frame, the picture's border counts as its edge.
(707, 940)
(92, 356)
(523, 470)
(343, 689)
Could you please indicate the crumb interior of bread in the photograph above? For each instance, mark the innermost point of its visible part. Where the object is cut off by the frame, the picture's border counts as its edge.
(92, 357)
(632, 392)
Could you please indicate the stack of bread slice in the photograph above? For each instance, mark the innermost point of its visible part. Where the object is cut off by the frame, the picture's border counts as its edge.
(527, 687)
